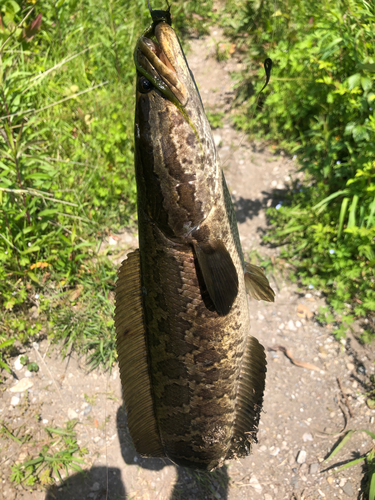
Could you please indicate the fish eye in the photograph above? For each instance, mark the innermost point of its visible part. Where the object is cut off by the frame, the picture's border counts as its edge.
(144, 85)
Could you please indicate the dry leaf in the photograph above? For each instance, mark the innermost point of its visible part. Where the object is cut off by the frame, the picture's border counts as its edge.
(304, 312)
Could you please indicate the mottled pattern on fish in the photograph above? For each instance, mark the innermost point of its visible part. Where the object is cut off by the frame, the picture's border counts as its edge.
(201, 375)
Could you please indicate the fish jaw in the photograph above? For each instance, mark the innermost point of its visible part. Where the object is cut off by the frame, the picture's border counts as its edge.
(178, 175)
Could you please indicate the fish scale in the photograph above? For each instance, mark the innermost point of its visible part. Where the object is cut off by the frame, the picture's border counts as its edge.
(192, 376)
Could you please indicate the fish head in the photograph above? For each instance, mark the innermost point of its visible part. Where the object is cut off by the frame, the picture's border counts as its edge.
(178, 176)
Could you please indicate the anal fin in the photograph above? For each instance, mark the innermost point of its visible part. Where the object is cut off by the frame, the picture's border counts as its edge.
(132, 357)
(219, 274)
(249, 399)
(257, 285)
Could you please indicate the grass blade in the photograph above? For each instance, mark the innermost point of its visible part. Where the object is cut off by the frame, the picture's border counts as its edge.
(353, 208)
(349, 464)
(371, 494)
(322, 204)
(344, 206)
(342, 443)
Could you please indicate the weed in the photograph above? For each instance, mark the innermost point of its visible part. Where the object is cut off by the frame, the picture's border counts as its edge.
(319, 108)
(58, 454)
(215, 118)
(368, 458)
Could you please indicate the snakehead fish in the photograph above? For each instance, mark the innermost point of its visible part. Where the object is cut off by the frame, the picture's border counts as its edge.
(192, 376)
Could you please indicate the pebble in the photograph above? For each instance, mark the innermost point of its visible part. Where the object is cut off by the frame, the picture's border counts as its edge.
(97, 438)
(15, 401)
(294, 482)
(298, 324)
(330, 480)
(314, 468)
(348, 489)
(28, 374)
(307, 437)
(275, 452)
(217, 139)
(17, 364)
(87, 410)
(22, 385)
(255, 484)
(95, 487)
(263, 448)
(291, 326)
(267, 496)
(350, 366)
(72, 414)
(301, 457)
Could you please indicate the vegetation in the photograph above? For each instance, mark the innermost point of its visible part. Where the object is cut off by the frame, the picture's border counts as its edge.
(320, 107)
(66, 163)
(56, 452)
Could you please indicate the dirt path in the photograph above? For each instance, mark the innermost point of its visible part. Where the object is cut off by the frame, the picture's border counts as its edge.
(300, 404)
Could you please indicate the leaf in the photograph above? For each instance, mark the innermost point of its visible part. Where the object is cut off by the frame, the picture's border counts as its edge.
(354, 81)
(353, 208)
(349, 464)
(366, 83)
(367, 67)
(344, 206)
(371, 494)
(332, 196)
(342, 443)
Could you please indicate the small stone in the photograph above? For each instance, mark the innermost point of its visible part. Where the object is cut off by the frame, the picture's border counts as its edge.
(17, 364)
(15, 401)
(255, 484)
(267, 496)
(282, 326)
(301, 457)
(72, 414)
(97, 438)
(291, 326)
(307, 437)
(28, 374)
(330, 480)
(298, 324)
(36, 346)
(314, 468)
(275, 452)
(135, 459)
(95, 487)
(22, 385)
(217, 139)
(87, 410)
(294, 482)
(260, 316)
(263, 448)
(355, 384)
(342, 482)
(350, 366)
(348, 489)
(45, 421)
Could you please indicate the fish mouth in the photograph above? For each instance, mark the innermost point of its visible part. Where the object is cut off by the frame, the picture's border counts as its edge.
(161, 61)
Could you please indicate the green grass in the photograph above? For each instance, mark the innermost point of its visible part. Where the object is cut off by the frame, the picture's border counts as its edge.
(66, 163)
(319, 107)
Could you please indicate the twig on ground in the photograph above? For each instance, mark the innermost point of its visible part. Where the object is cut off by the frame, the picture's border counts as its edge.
(295, 362)
(345, 398)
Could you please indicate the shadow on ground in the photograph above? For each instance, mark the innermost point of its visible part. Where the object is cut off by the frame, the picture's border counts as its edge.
(101, 483)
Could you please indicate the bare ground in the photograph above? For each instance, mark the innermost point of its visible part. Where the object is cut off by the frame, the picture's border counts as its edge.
(304, 408)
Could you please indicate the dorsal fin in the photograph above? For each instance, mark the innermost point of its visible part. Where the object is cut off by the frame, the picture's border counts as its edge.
(219, 274)
(132, 358)
(249, 398)
(257, 285)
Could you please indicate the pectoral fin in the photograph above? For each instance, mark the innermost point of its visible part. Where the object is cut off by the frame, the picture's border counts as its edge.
(257, 285)
(132, 358)
(219, 274)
